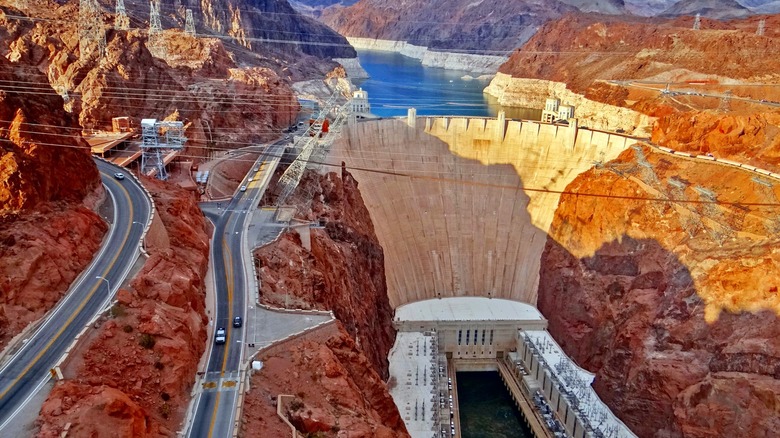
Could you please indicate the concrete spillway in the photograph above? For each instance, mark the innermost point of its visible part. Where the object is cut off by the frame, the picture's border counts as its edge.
(448, 203)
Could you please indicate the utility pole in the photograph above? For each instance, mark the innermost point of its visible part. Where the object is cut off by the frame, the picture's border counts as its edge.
(697, 22)
(121, 21)
(189, 23)
(92, 35)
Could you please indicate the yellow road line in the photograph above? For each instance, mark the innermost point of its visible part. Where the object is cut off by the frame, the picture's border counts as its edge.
(229, 278)
(81, 306)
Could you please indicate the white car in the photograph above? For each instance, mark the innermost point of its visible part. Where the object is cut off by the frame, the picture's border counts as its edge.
(119, 175)
(219, 337)
(243, 188)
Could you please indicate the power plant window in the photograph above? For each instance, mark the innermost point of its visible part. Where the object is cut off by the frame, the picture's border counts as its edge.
(491, 337)
(460, 335)
(468, 335)
(483, 337)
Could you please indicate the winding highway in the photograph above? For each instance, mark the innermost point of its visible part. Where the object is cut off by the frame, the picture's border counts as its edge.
(218, 394)
(29, 368)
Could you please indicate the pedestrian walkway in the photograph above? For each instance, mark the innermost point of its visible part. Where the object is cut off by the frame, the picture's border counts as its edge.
(265, 327)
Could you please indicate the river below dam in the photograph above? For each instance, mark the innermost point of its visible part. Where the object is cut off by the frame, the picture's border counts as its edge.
(399, 82)
(487, 409)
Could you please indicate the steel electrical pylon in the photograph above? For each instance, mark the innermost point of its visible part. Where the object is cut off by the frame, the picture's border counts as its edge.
(121, 21)
(92, 35)
(189, 23)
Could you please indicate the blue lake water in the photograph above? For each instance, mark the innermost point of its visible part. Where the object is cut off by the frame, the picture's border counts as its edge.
(399, 82)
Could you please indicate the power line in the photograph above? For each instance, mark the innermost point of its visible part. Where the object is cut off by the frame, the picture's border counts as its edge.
(410, 174)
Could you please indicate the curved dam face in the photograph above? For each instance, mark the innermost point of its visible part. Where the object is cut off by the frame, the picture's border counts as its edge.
(456, 202)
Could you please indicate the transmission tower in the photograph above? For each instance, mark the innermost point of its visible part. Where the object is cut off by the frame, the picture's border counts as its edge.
(711, 211)
(767, 190)
(688, 219)
(92, 35)
(697, 22)
(156, 146)
(761, 27)
(155, 26)
(121, 21)
(725, 102)
(189, 23)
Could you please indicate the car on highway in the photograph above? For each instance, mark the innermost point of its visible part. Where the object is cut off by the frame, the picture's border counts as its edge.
(243, 188)
(220, 336)
(237, 321)
(119, 175)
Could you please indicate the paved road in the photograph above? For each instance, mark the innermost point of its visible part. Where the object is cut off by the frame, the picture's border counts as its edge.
(216, 402)
(29, 369)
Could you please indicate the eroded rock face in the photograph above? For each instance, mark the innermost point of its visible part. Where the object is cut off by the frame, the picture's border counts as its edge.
(448, 25)
(144, 358)
(335, 389)
(343, 272)
(42, 158)
(674, 314)
(119, 415)
(47, 232)
(224, 106)
(747, 138)
(639, 48)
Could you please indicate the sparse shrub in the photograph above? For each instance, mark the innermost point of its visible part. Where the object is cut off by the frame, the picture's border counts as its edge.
(165, 396)
(117, 311)
(301, 394)
(335, 428)
(296, 405)
(147, 341)
(127, 328)
(165, 410)
(159, 365)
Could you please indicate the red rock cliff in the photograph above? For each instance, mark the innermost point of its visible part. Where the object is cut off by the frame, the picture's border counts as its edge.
(673, 306)
(335, 386)
(199, 81)
(133, 378)
(47, 233)
(343, 272)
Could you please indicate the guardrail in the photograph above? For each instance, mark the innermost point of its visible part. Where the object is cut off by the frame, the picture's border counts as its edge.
(245, 376)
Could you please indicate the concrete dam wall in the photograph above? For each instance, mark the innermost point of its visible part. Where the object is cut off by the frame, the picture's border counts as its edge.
(448, 201)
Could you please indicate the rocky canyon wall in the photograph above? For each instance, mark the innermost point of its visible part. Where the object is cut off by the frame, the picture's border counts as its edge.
(450, 60)
(449, 203)
(532, 93)
(335, 389)
(672, 305)
(344, 271)
(48, 187)
(134, 375)
(200, 81)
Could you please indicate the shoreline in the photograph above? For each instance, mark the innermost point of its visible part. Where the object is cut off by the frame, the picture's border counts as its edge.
(482, 64)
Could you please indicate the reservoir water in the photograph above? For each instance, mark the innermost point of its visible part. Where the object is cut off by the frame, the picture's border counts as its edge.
(487, 409)
(399, 82)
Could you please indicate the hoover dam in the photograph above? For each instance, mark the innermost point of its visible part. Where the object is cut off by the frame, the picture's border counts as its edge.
(462, 206)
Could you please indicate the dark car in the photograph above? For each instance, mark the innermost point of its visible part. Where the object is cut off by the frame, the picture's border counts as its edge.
(237, 321)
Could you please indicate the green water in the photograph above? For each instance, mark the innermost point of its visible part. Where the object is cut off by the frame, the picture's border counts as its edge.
(486, 408)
